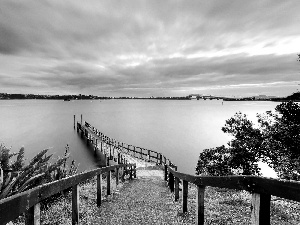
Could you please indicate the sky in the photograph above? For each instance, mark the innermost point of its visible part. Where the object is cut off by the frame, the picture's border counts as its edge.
(150, 48)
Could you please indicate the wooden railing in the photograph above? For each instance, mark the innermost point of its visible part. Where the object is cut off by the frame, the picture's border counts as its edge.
(29, 201)
(261, 189)
(116, 146)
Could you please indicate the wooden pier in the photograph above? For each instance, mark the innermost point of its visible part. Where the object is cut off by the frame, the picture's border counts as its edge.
(116, 152)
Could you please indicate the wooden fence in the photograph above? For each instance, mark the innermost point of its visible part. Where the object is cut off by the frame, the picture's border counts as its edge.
(29, 201)
(261, 189)
(96, 137)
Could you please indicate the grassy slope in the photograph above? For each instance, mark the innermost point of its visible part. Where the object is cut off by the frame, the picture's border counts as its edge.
(221, 207)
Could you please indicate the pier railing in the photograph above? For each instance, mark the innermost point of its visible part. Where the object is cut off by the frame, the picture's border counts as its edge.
(101, 141)
(29, 201)
(261, 188)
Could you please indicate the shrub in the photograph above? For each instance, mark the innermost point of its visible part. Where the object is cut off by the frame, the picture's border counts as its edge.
(16, 177)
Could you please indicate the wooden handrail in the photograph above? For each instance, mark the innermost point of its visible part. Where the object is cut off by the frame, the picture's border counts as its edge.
(261, 188)
(28, 200)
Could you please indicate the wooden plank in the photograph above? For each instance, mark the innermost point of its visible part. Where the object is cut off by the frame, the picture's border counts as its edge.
(281, 188)
(176, 189)
(99, 189)
(33, 215)
(185, 189)
(171, 182)
(134, 170)
(166, 172)
(75, 205)
(200, 205)
(260, 209)
(117, 176)
(108, 178)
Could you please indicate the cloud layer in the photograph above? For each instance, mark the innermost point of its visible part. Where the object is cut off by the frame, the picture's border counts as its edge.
(145, 48)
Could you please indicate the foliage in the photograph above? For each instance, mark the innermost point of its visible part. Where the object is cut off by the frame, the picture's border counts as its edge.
(281, 131)
(214, 161)
(17, 177)
(276, 141)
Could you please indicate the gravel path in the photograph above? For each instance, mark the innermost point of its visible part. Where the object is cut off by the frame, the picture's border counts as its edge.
(145, 200)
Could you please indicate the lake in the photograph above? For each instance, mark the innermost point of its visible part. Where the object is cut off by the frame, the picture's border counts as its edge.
(178, 129)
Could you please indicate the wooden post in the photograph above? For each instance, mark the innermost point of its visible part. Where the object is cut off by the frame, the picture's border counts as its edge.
(113, 152)
(33, 215)
(200, 206)
(119, 156)
(110, 151)
(148, 155)
(75, 205)
(74, 122)
(166, 172)
(131, 171)
(117, 176)
(260, 209)
(108, 177)
(185, 188)
(141, 153)
(160, 160)
(99, 189)
(134, 169)
(171, 182)
(107, 160)
(123, 174)
(176, 189)
(81, 119)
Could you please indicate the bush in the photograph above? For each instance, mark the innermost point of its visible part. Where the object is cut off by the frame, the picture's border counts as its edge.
(16, 177)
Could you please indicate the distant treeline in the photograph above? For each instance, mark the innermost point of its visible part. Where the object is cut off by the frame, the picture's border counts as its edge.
(78, 97)
(293, 97)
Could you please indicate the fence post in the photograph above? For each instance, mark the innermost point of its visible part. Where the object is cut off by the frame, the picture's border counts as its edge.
(99, 189)
(185, 188)
(117, 176)
(260, 209)
(108, 176)
(131, 171)
(134, 171)
(166, 172)
(160, 160)
(176, 189)
(119, 158)
(200, 206)
(107, 160)
(75, 205)
(33, 215)
(171, 181)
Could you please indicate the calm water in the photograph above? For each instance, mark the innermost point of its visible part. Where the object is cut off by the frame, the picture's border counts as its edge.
(178, 129)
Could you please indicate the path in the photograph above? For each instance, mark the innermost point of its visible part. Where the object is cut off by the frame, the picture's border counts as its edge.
(144, 200)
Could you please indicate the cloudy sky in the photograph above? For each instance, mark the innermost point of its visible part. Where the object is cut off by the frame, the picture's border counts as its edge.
(150, 47)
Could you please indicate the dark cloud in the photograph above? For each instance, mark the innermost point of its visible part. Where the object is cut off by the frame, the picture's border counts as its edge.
(135, 46)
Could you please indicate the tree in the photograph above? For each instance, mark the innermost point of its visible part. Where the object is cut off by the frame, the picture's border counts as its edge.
(276, 141)
(281, 132)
